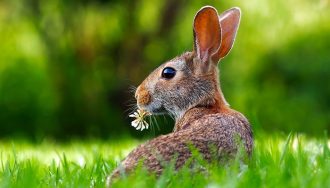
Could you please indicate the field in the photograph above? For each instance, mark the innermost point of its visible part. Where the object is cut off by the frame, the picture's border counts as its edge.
(66, 68)
(278, 161)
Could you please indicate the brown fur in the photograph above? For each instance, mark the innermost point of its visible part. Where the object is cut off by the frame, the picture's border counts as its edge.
(143, 95)
(193, 96)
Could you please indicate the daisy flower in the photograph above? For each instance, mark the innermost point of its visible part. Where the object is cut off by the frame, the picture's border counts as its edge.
(139, 123)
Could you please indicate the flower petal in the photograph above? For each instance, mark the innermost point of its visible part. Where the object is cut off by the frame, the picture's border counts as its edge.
(137, 126)
(147, 125)
(131, 115)
(134, 123)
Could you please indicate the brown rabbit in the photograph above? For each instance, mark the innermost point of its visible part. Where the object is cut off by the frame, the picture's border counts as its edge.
(188, 88)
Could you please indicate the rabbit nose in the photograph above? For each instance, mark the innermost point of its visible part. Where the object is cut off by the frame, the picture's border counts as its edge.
(142, 96)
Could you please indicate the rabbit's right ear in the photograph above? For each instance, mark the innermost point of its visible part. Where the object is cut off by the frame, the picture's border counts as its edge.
(207, 33)
(229, 22)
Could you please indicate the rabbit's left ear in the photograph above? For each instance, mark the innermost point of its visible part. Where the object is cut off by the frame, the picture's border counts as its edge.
(207, 33)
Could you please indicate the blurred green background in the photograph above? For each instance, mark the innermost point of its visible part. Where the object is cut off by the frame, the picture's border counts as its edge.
(66, 67)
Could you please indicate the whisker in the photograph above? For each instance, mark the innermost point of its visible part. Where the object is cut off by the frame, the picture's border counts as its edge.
(151, 123)
(157, 125)
(164, 119)
(130, 102)
(132, 89)
(131, 109)
(171, 116)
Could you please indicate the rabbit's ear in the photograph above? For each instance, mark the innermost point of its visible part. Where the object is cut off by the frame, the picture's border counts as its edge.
(207, 33)
(229, 22)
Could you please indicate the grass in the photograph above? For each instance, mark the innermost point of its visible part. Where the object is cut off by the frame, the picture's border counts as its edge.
(278, 161)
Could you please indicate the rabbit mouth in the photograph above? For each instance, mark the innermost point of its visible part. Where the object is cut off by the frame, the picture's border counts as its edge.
(154, 109)
(159, 111)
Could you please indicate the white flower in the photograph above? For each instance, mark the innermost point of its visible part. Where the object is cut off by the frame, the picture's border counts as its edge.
(139, 123)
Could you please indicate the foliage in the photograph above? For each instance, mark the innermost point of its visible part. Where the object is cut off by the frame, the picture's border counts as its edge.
(295, 161)
(66, 66)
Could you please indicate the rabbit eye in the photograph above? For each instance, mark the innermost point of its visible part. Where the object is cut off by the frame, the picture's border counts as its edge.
(168, 73)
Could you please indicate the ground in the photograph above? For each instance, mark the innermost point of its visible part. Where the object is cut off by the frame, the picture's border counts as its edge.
(278, 161)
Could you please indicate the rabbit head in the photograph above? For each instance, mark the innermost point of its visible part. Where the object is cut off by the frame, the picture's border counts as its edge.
(192, 78)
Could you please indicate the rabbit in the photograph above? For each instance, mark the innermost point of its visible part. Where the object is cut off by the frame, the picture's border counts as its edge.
(188, 88)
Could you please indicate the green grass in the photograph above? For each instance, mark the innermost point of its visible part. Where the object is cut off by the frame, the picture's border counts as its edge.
(278, 161)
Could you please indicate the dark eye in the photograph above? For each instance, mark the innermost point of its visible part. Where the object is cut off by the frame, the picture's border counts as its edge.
(168, 73)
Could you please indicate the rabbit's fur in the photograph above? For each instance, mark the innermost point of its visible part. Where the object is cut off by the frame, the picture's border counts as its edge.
(193, 96)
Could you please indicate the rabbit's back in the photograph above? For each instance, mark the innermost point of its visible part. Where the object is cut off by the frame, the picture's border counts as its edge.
(213, 135)
(227, 131)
